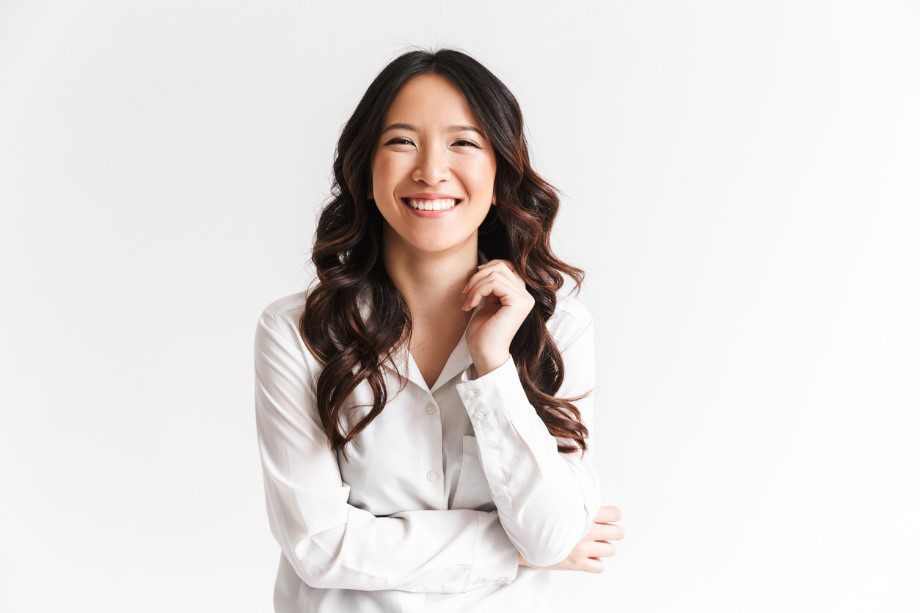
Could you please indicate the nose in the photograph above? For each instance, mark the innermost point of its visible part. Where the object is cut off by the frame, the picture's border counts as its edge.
(432, 167)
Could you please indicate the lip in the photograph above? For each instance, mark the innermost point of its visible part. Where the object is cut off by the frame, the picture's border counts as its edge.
(431, 196)
(428, 214)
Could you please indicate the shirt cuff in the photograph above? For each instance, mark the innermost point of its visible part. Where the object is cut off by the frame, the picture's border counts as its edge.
(495, 558)
(500, 393)
(508, 431)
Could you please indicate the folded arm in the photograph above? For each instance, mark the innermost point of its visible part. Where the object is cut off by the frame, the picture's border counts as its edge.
(546, 500)
(330, 543)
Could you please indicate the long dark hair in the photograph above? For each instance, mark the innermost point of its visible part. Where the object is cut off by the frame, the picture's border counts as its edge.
(347, 253)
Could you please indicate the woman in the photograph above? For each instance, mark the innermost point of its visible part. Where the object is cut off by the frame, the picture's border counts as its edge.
(423, 410)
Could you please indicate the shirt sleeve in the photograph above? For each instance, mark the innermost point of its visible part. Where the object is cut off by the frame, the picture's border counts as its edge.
(546, 500)
(330, 543)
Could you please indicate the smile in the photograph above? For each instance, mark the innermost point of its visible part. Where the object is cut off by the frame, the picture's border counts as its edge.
(431, 207)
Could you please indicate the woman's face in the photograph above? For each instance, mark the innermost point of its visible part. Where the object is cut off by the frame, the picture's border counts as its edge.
(431, 153)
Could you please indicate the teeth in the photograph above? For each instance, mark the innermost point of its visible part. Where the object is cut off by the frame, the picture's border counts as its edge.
(432, 205)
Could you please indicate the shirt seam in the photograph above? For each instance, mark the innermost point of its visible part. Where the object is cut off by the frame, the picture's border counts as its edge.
(469, 575)
(501, 465)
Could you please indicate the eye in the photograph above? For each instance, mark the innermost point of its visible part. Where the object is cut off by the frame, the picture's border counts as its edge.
(468, 142)
(399, 141)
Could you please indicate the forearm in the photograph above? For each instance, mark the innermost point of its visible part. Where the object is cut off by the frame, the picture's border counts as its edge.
(444, 551)
(546, 500)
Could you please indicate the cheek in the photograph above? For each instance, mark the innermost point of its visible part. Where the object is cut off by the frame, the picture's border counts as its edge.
(478, 174)
(388, 170)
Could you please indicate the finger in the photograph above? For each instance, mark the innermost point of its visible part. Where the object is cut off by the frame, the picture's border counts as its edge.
(477, 277)
(608, 514)
(599, 549)
(494, 262)
(592, 565)
(486, 288)
(505, 266)
(606, 532)
(504, 271)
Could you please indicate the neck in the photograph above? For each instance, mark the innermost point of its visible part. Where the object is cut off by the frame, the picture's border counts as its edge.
(430, 281)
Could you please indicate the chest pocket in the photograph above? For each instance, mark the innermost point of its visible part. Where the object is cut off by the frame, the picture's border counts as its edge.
(472, 487)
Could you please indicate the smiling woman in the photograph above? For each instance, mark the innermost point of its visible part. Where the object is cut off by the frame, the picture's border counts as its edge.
(424, 410)
(431, 135)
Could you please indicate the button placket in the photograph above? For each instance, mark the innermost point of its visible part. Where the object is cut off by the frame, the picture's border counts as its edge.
(431, 408)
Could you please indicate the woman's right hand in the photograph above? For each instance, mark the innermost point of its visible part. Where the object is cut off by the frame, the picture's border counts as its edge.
(587, 554)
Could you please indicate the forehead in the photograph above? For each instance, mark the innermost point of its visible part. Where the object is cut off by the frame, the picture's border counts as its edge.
(430, 101)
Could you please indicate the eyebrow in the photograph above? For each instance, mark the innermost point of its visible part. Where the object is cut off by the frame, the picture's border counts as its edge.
(408, 126)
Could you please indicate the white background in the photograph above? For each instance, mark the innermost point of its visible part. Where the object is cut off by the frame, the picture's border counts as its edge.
(739, 179)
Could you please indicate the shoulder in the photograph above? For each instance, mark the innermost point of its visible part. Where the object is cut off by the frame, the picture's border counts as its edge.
(286, 309)
(570, 309)
(571, 319)
(277, 333)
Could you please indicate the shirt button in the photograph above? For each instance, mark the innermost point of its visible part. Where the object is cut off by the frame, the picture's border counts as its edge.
(430, 408)
(470, 393)
(431, 475)
(478, 415)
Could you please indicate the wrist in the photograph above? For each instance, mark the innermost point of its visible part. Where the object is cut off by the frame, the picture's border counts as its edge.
(486, 362)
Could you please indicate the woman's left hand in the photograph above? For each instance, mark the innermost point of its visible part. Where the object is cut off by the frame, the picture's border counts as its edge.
(505, 305)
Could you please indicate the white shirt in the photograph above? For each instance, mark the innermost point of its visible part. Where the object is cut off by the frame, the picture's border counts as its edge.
(440, 491)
